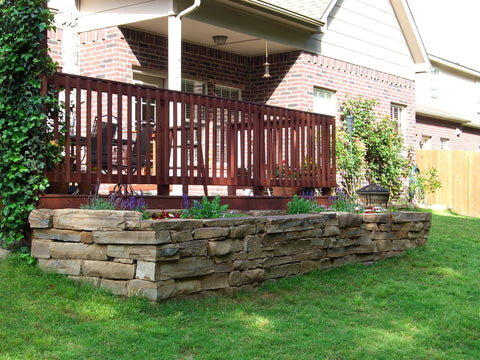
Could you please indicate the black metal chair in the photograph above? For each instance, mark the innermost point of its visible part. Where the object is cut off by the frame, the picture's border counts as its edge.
(105, 136)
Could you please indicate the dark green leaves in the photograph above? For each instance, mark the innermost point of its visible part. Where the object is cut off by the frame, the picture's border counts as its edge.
(23, 148)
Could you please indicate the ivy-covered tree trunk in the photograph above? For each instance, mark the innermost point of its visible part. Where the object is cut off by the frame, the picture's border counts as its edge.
(24, 150)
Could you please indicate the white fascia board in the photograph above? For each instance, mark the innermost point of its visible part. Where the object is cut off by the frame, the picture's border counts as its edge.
(454, 66)
(122, 15)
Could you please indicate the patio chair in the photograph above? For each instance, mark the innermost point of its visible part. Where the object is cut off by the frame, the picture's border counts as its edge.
(104, 144)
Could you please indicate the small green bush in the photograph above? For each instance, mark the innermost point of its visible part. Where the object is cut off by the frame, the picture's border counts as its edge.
(300, 205)
(205, 209)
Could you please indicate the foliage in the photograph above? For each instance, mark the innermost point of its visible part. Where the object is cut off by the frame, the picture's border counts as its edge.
(302, 205)
(423, 305)
(343, 202)
(165, 215)
(23, 123)
(423, 184)
(204, 210)
(375, 149)
(114, 202)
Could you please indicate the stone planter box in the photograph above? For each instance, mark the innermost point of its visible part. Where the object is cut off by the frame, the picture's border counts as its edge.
(163, 259)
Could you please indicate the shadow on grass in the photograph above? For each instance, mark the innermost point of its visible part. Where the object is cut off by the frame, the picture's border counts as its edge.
(423, 305)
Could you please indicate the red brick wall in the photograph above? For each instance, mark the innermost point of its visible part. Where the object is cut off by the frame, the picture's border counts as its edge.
(294, 76)
(469, 139)
(110, 53)
(55, 45)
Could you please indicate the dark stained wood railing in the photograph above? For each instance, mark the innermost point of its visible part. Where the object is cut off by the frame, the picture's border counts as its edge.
(128, 134)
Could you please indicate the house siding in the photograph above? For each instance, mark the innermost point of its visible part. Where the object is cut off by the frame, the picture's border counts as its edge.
(367, 33)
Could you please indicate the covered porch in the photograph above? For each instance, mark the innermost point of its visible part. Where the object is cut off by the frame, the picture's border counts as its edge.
(135, 135)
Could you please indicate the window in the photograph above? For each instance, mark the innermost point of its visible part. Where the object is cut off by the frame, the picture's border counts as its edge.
(426, 142)
(435, 83)
(397, 114)
(148, 77)
(443, 144)
(228, 92)
(324, 101)
(197, 87)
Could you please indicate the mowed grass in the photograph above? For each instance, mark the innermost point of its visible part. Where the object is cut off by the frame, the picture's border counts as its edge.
(424, 305)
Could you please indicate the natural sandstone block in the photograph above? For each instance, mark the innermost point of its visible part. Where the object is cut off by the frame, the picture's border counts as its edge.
(282, 271)
(62, 250)
(146, 270)
(385, 227)
(214, 281)
(132, 237)
(116, 287)
(331, 231)
(68, 267)
(188, 267)
(58, 234)
(248, 264)
(372, 227)
(223, 247)
(384, 245)
(253, 243)
(210, 233)
(375, 218)
(309, 255)
(416, 234)
(346, 260)
(277, 260)
(41, 219)
(108, 269)
(82, 219)
(175, 224)
(408, 216)
(181, 236)
(155, 291)
(239, 278)
(194, 248)
(241, 231)
(189, 286)
(309, 265)
(41, 249)
(349, 220)
(288, 223)
(292, 247)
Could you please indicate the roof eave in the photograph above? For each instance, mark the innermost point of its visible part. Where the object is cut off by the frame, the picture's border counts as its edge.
(301, 21)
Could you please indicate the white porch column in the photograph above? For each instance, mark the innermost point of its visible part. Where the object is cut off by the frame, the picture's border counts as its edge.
(174, 52)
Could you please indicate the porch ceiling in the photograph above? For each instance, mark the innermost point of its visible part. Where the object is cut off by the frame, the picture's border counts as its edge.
(194, 31)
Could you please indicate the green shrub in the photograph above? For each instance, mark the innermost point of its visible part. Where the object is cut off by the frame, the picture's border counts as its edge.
(205, 209)
(375, 149)
(300, 205)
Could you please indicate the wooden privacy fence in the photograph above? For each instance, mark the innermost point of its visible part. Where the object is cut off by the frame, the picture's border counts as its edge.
(130, 134)
(460, 178)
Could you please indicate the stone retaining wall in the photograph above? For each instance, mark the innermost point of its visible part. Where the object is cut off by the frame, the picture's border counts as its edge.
(162, 259)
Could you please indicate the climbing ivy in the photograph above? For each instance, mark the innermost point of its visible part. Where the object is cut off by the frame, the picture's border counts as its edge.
(24, 149)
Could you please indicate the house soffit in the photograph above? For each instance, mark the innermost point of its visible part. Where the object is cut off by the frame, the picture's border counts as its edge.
(247, 23)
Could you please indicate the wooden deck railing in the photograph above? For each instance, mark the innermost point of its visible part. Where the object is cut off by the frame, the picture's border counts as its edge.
(128, 134)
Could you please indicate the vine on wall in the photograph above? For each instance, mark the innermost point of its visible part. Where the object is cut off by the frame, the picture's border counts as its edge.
(24, 149)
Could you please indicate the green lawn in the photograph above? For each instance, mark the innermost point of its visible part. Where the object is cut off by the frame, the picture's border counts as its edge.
(424, 305)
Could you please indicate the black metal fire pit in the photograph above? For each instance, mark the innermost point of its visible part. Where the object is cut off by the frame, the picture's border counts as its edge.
(373, 195)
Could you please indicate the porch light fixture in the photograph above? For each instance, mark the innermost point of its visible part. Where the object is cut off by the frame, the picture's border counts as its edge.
(266, 73)
(219, 39)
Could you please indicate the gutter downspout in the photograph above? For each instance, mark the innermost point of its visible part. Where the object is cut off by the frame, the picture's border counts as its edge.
(175, 46)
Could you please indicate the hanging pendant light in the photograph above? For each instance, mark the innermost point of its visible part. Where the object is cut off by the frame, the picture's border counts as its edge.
(266, 73)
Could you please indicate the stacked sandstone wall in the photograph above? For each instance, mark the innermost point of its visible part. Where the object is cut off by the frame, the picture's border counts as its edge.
(161, 259)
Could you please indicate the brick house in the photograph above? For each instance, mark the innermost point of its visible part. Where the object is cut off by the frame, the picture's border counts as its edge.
(448, 106)
(317, 51)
